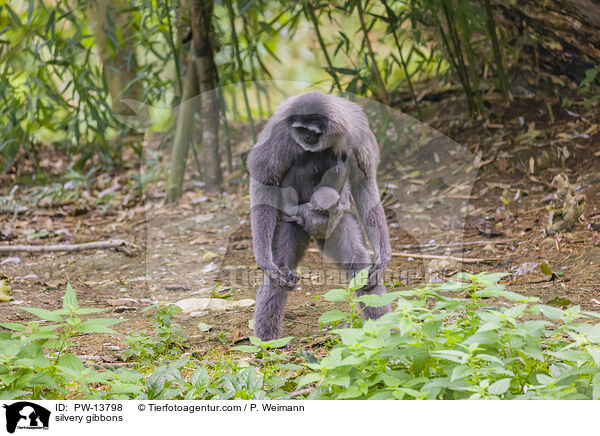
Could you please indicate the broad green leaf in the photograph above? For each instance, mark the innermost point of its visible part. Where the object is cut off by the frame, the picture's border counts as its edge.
(452, 355)
(534, 350)
(595, 353)
(308, 379)
(515, 311)
(98, 325)
(544, 379)
(12, 394)
(71, 364)
(359, 280)
(200, 379)
(43, 313)
(552, 313)
(88, 310)
(333, 316)
(350, 336)
(40, 360)
(453, 286)
(278, 343)
(255, 341)
(488, 337)
(460, 372)
(275, 381)
(596, 386)
(247, 348)
(10, 349)
(13, 326)
(337, 379)
(489, 278)
(499, 387)
(70, 299)
(336, 295)
(374, 300)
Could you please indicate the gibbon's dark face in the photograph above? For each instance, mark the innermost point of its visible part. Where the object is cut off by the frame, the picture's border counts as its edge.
(309, 131)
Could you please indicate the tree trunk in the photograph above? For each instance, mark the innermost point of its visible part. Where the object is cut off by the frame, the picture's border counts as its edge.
(569, 39)
(184, 133)
(120, 62)
(201, 14)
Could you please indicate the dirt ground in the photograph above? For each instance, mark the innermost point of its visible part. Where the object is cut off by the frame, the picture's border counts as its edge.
(185, 248)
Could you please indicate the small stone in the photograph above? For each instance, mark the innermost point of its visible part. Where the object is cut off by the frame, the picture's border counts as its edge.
(246, 302)
(189, 305)
(203, 327)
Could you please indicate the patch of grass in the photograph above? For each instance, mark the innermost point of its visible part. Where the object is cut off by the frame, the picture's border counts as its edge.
(35, 362)
(442, 341)
(166, 343)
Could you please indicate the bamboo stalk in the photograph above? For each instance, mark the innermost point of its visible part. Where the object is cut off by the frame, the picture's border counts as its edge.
(455, 52)
(311, 16)
(491, 25)
(236, 49)
(253, 76)
(173, 47)
(466, 42)
(223, 108)
(403, 61)
(384, 94)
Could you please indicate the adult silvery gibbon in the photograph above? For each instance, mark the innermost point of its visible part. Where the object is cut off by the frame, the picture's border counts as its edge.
(314, 141)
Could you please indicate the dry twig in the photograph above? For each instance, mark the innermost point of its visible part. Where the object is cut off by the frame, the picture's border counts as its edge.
(428, 256)
(96, 245)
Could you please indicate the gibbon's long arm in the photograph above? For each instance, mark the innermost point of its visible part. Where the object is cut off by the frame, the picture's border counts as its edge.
(263, 219)
(267, 165)
(363, 183)
(264, 205)
(372, 216)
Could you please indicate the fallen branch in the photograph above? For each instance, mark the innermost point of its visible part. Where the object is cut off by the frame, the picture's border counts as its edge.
(456, 244)
(428, 256)
(434, 256)
(97, 245)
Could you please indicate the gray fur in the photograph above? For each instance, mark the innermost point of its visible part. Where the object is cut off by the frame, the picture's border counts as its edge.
(312, 142)
(320, 216)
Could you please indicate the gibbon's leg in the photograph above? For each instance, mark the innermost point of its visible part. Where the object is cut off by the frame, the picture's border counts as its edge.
(289, 243)
(346, 247)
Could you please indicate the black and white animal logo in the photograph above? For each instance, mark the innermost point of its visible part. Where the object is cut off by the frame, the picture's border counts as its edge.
(26, 415)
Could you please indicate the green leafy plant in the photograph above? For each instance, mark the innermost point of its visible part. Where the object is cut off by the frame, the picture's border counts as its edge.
(34, 357)
(35, 362)
(545, 268)
(589, 88)
(168, 382)
(435, 345)
(167, 340)
(336, 317)
(277, 369)
(452, 340)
